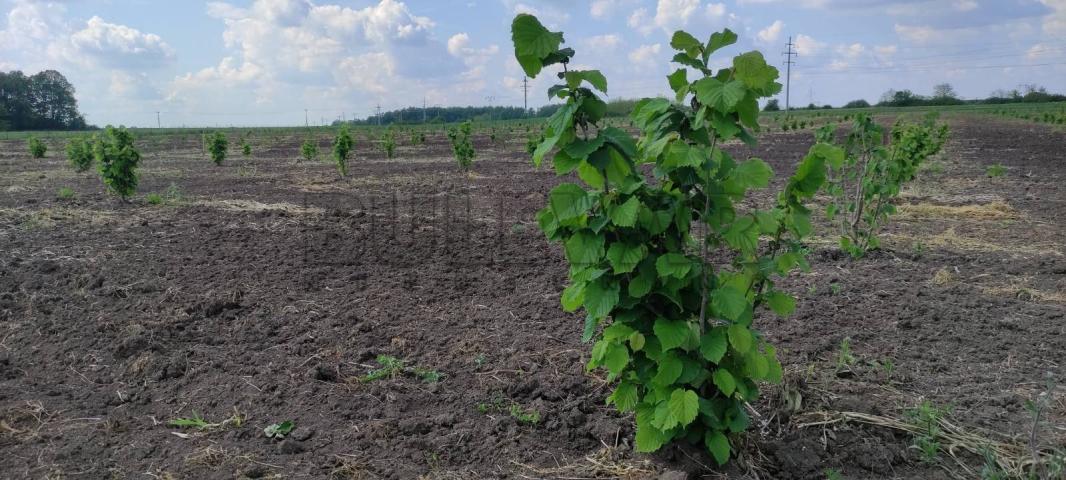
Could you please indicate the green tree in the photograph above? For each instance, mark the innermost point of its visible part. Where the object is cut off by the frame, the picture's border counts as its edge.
(218, 145)
(342, 148)
(674, 332)
(462, 149)
(309, 149)
(80, 154)
(37, 147)
(117, 160)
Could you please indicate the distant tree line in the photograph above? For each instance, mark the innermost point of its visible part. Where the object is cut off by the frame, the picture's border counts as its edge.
(44, 101)
(417, 115)
(943, 94)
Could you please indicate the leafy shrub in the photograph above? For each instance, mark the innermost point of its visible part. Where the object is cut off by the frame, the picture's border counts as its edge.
(154, 199)
(342, 148)
(995, 170)
(674, 332)
(462, 149)
(217, 145)
(65, 193)
(388, 142)
(80, 154)
(37, 147)
(865, 180)
(246, 148)
(117, 160)
(309, 149)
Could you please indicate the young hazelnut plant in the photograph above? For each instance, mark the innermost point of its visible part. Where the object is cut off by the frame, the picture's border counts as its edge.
(80, 154)
(37, 147)
(674, 332)
(309, 149)
(864, 183)
(342, 149)
(117, 160)
(462, 149)
(388, 142)
(218, 144)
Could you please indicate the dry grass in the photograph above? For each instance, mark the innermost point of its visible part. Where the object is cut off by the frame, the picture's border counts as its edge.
(607, 463)
(254, 206)
(984, 211)
(942, 277)
(951, 240)
(46, 218)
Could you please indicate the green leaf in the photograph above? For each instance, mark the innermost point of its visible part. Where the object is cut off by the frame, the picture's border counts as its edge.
(625, 257)
(729, 302)
(621, 140)
(569, 200)
(600, 297)
(642, 284)
(673, 265)
(590, 175)
(636, 341)
(719, 40)
(584, 248)
(625, 215)
(573, 297)
(740, 338)
(624, 397)
(751, 68)
(654, 221)
(743, 234)
(718, 445)
(670, 368)
(581, 149)
(723, 97)
(532, 42)
(594, 77)
(649, 438)
(616, 358)
(682, 40)
(679, 82)
(753, 173)
(781, 303)
(671, 333)
(680, 410)
(590, 328)
(713, 345)
(724, 381)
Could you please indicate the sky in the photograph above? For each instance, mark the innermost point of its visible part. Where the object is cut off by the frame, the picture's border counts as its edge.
(281, 62)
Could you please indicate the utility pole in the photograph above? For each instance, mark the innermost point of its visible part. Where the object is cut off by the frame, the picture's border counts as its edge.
(307, 121)
(490, 99)
(158, 124)
(423, 109)
(788, 69)
(525, 96)
(378, 114)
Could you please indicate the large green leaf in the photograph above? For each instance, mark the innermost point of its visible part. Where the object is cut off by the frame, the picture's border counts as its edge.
(624, 257)
(740, 338)
(718, 445)
(670, 368)
(729, 302)
(718, 41)
(532, 42)
(682, 40)
(751, 68)
(594, 77)
(569, 200)
(781, 303)
(600, 297)
(679, 410)
(673, 265)
(722, 96)
(625, 215)
(713, 345)
(724, 381)
(753, 173)
(624, 396)
(649, 438)
(584, 248)
(671, 333)
(573, 296)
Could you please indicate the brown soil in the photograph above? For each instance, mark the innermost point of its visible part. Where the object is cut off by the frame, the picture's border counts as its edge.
(269, 288)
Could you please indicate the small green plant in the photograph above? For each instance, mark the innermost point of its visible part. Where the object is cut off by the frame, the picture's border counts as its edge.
(392, 367)
(833, 474)
(309, 149)
(279, 431)
(246, 148)
(388, 142)
(995, 170)
(37, 147)
(154, 199)
(991, 469)
(835, 288)
(462, 149)
(117, 161)
(342, 148)
(523, 415)
(172, 194)
(532, 141)
(65, 193)
(218, 145)
(80, 154)
(926, 416)
(844, 357)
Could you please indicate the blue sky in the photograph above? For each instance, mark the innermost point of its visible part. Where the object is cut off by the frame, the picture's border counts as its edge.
(264, 62)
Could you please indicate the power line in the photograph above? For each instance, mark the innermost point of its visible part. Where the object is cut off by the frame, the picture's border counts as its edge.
(525, 94)
(788, 67)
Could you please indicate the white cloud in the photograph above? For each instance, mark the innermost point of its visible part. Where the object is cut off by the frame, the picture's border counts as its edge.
(119, 46)
(671, 15)
(715, 10)
(851, 51)
(1055, 22)
(918, 34)
(602, 8)
(645, 55)
(807, 46)
(640, 22)
(770, 34)
(603, 43)
(964, 5)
